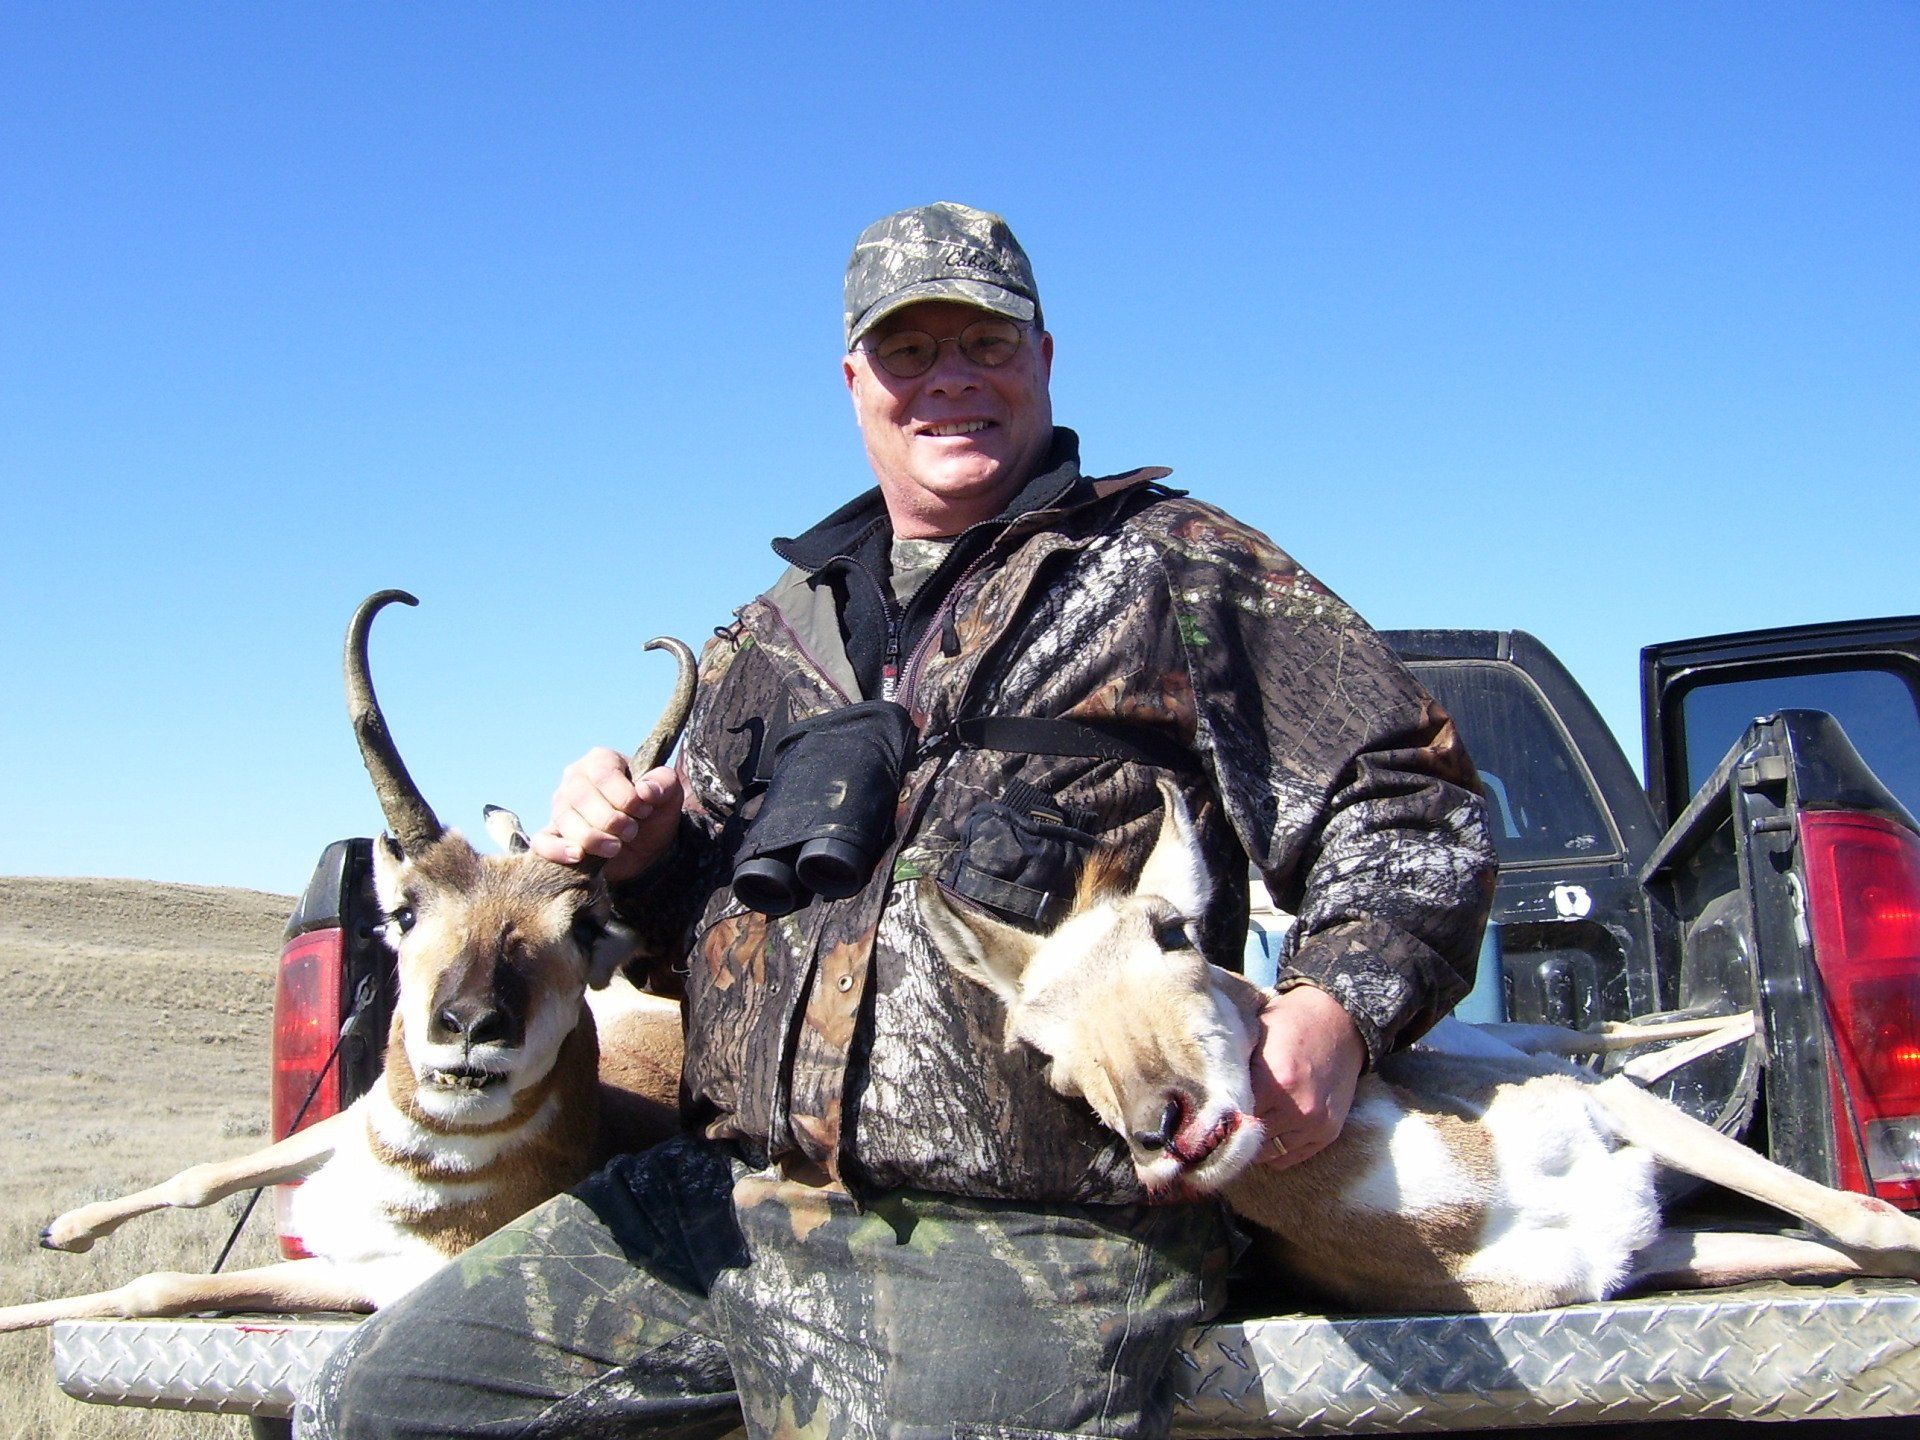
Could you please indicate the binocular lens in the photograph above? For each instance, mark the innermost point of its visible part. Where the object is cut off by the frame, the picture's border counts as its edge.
(768, 884)
(827, 810)
(832, 869)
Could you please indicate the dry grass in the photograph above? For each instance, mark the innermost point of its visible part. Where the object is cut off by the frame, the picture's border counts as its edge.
(134, 1024)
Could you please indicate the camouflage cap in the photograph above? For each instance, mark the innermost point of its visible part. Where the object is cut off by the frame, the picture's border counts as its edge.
(941, 251)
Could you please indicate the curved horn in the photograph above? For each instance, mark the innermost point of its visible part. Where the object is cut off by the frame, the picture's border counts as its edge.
(408, 814)
(666, 734)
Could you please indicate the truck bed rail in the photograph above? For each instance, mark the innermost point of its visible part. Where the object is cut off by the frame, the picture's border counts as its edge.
(1769, 1352)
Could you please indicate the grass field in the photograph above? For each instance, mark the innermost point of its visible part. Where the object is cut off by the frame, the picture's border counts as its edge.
(134, 1025)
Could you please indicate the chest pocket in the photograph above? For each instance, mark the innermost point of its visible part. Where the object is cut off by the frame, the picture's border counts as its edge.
(1019, 855)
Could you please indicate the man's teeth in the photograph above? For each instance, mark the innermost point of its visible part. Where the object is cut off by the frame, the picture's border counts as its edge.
(964, 427)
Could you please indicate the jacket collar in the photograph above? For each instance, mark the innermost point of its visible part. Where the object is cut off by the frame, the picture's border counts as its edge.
(1058, 485)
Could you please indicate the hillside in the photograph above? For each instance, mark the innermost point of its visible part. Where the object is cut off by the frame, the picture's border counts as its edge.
(133, 1037)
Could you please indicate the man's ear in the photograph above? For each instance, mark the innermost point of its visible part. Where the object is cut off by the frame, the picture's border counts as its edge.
(1176, 871)
(987, 951)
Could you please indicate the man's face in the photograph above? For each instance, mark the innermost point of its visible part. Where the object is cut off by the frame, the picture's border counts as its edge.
(952, 446)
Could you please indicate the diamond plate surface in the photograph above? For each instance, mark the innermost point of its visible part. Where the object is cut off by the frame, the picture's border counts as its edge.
(1769, 1353)
(238, 1366)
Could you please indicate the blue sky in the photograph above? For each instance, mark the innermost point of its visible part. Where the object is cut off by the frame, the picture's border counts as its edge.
(1597, 321)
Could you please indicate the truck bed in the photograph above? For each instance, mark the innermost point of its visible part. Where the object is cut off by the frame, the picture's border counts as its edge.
(1766, 1352)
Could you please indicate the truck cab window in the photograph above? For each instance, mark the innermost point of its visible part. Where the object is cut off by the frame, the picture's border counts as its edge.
(1876, 706)
(1540, 800)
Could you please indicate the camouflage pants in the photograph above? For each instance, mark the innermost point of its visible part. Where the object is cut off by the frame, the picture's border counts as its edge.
(679, 1292)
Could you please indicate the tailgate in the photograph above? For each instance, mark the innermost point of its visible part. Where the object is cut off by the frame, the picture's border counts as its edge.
(1849, 1351)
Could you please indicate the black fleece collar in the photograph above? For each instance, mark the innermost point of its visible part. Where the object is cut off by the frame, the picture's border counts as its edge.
(852, 526)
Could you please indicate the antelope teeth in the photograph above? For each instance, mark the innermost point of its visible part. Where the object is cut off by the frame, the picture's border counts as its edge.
(1194, 1153)
(463, 1079)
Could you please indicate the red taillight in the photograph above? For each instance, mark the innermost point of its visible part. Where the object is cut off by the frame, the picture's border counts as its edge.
(307, 1012)
(1863, 904)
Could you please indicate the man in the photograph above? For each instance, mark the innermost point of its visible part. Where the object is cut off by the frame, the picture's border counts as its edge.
(881, 1221)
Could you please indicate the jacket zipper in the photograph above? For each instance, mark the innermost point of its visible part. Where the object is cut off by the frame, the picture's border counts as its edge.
(911, 673)
(890, 663)
(904, 677)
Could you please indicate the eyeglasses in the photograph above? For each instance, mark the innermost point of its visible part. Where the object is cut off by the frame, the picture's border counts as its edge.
(987, 343)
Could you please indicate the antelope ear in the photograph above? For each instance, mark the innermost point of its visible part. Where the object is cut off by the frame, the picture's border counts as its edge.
(389, 860)
(619, 942)
(1239, 992)
(507, 831)
(1176, 871)
(988, 951)
(608, 940)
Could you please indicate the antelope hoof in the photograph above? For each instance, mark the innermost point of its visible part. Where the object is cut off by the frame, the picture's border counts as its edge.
(71, 1239)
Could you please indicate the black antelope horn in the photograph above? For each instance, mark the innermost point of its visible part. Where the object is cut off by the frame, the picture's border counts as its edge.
(408, 815)
(673, 719)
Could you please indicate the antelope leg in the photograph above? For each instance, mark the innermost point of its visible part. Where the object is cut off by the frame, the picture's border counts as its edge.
(289, 1159)
(292, 1287)
(1682, 1143)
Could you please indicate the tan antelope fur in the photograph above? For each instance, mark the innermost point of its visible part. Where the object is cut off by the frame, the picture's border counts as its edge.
(1476, 1171)
(496, 1092)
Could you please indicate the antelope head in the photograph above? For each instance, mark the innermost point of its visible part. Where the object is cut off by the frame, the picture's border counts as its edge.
(1129, 1013)
(494, 951)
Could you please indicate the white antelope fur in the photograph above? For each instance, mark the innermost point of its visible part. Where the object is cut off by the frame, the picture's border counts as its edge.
(345, 1211)
(1477, 1170)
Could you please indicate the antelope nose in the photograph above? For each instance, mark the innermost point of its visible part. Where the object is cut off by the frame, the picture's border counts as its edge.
(1163, 1137)
(476, 1025)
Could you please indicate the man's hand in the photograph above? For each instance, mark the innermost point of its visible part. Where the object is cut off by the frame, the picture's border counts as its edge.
(600, 809)
(1305, 1067)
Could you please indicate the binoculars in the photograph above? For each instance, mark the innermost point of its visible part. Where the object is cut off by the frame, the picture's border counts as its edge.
(828, 809)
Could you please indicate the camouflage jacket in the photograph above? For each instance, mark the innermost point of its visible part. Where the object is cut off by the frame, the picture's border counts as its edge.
(837, 1034)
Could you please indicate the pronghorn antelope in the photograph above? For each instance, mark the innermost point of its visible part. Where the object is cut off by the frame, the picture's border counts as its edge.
(1472, 1174)
(494, 1095)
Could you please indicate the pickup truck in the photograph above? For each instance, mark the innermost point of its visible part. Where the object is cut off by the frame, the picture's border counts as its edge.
(1769, 865)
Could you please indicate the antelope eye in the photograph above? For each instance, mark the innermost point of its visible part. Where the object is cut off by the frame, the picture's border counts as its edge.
(1173, 934)
(402, 918)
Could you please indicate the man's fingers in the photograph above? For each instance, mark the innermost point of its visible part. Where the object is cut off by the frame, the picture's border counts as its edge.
(601, 816)
(1305, 1066)
(592, 826)
(601, 810)
(1300, 1109)
(601, 776)
(657, 787)
(571, 838)
(549, 846)
(1281, 1152)
(597, 807)
(1298, 1134)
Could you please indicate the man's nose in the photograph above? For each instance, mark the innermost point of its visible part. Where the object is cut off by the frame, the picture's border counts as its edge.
(951, 369)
